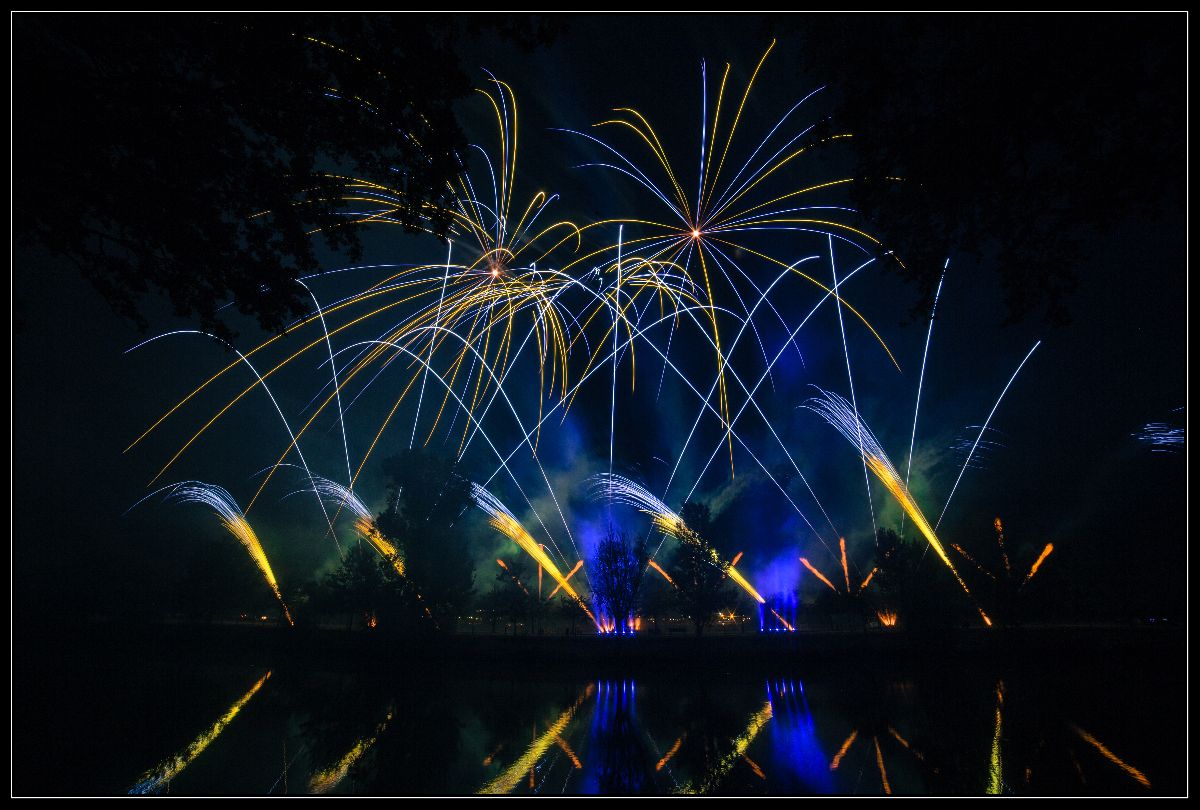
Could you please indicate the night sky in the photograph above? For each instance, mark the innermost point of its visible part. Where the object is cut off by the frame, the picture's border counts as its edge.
(1066, 468)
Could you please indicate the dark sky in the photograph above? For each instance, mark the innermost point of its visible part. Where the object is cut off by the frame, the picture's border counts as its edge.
(1066, 468)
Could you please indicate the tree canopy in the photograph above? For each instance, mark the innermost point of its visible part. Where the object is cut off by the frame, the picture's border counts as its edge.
(1017, 139)
(196, 155)
(427, 499)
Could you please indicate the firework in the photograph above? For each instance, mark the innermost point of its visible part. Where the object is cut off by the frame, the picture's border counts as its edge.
(841, 415)
(619, 489)
(1005, 573)
(567, 578)
(503, 521)
(1041, 558)
(1163, 437)
(664, 574)
(845, 573)
(887, 788)
(364, 522)
(234, 521)
(658, 766)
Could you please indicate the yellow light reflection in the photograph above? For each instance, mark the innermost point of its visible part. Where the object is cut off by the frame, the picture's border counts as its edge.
(996, 763)
(674, 750)
(713, 778)
(165, 771)
(887, 788)
(326, 780)
(837, 758)
(1137, 775)
(507, 781)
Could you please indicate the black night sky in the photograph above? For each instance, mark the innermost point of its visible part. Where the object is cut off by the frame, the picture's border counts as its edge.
(1066, 466)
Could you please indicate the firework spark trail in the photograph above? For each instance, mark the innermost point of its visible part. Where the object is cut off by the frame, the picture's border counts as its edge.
(154, 779)
(491, 444)
(673, 750)
(567, 578)
(750, 398)
(818, 574)
(515, 579)
(333, 371)
(436, 322)
(613, 488)
(230, 516)
(508, 780)
(840, 414)
(506, 523)
(1038, 563)
(982, 430)
(326, 780)
(912, 442)
(1000, 542)
(1162, 437)
(275, 403)
(845, 567)
(783, 621)
(966, 556)
(854, 403)
(867, 581)
(683, 378)
(364, 521)
(660, 570)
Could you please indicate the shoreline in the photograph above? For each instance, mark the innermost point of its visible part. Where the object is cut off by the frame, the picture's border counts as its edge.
(235, 642)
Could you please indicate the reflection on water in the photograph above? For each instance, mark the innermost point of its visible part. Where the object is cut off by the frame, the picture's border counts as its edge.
(832, 730)
(329, 778)
(161, 775)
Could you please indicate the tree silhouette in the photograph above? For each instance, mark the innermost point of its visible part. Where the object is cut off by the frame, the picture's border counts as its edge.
(702, 584)
(427, 498)
(195, 154)
(1016, 139)
(923, 593)
(363, 587)
(617, 571)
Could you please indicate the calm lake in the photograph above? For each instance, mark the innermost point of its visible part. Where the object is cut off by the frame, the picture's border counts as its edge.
(150, 724)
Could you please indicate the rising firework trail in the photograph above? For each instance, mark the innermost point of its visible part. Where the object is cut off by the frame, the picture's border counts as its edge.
(983, 430)
(912, 441)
